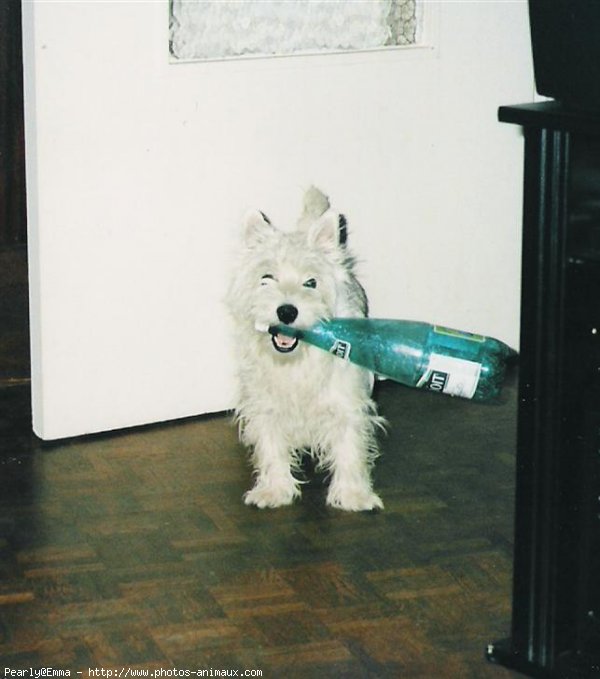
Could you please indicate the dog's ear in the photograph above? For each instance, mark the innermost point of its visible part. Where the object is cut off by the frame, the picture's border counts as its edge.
(256, 227)
(314, 205)
(342, 230)
(328, 232)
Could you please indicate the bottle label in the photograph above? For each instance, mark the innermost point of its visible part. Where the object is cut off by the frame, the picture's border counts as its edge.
(341, 349)
(459, 334)
(450, 375)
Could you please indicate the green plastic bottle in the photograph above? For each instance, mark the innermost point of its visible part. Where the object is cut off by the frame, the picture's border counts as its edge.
(413, 353)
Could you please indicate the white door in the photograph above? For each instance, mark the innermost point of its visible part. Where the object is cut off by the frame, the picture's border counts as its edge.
(139, 170)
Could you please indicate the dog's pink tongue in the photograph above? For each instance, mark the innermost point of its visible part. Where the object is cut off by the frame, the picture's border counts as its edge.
(283, 341)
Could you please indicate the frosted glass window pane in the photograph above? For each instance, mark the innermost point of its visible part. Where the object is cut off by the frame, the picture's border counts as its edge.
(221, 29)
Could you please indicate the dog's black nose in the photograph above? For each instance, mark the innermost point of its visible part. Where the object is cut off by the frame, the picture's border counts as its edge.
(287, 313)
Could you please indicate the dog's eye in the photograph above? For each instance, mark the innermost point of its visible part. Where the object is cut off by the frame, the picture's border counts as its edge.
(266, 278)
(310, 283)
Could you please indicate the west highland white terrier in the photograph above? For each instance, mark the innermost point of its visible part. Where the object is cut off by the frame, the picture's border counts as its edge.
(293, 398)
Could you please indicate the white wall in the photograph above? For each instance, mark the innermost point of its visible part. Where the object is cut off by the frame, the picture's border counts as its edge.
(138, 171)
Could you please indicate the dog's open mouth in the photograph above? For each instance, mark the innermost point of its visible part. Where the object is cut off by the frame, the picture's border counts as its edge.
(284, 344)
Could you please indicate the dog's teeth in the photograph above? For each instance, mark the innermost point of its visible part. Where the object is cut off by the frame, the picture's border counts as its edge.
(261, 327)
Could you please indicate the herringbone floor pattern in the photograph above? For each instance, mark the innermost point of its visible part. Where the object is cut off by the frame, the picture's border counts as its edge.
(133, 550)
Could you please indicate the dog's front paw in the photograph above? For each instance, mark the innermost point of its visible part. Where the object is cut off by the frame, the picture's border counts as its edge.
(353, 498)
(271, 495)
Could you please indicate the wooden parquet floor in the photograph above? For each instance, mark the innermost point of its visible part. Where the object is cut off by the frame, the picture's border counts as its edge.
(134, 551)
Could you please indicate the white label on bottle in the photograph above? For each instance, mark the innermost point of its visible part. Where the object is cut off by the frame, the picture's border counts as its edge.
(341, 349)
(450, 375)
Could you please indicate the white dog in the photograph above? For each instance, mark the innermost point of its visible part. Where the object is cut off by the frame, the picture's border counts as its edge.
(294, 398)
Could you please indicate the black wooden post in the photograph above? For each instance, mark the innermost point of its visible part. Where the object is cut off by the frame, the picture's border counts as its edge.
(557, 530)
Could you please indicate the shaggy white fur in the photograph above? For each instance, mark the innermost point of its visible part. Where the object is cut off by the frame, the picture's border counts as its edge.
(294, 398)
